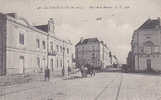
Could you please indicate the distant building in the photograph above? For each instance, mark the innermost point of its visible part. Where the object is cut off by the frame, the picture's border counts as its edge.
(25, 48)
(130, 61)
(146, 47)
(92, 51)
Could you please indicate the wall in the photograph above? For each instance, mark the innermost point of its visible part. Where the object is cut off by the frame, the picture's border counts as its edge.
(60, 59)
(29, 52)
(84, 53)
(139, 46)
(28, 57)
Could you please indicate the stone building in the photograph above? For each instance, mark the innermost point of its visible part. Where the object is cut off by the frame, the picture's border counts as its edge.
(25, 48)
(146, 47)
(92, 51)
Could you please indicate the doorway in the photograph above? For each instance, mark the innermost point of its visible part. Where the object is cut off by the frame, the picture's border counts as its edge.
(148, 62)
(21, 65)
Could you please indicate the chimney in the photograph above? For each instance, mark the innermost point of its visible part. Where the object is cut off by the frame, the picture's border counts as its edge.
(51, 26)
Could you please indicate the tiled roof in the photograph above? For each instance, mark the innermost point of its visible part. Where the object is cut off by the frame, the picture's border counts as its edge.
(150, 24)
(86, 41)
(42, 27)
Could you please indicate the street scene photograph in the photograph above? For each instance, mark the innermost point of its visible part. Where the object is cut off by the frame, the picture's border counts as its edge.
(80, 49)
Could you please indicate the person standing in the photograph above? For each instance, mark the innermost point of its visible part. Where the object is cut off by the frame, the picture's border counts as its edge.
(82, 70)
(47, 74)
(69, 70)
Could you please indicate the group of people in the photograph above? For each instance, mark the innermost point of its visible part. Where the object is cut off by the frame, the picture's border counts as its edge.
(47, 73)
(84, 69)
(87, 69)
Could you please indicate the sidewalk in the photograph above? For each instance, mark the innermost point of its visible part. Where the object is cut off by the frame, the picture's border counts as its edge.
(36, 88)
(15, 79)
(9, 80)
(6, 92)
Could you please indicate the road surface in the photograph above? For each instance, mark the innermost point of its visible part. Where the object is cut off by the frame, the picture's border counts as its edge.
(104, 86)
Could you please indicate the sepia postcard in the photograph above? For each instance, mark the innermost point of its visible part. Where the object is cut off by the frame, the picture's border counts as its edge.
(80, 49)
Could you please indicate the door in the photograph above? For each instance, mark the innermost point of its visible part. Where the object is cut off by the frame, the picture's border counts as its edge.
(148, 62)
(21, 65)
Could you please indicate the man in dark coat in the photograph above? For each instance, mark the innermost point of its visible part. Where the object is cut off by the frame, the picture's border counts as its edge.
(69, 70)
(47, 74)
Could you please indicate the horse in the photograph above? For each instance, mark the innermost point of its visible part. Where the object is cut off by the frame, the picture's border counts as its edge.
(91, 69)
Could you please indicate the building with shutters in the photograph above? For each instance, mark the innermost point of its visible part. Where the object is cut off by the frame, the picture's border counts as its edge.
(145, 52)
(25, 48)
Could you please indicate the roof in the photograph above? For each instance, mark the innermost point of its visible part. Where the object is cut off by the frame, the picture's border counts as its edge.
(86, 41)
(42, 27)
(150, 24)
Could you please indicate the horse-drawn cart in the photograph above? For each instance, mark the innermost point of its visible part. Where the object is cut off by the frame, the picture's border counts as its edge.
(87, 69)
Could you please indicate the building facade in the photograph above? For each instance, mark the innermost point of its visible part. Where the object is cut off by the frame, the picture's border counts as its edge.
(25, 48)
(92, 51)
(146, 47)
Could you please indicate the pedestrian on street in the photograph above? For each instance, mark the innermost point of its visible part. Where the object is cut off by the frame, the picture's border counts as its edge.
(63, 72)
(47, 74)
(82, 70)
(69, 70)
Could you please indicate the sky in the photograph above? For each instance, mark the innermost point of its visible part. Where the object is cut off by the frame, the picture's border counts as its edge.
(114, 25)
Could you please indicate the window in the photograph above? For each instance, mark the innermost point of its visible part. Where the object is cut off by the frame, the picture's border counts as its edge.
(67, 50)
(156, 49)
(37, 43)
(93, 55)
(43, 43)
(147, 50)
(38, 62)
(61, 63)
(21, 38)
(61, 49)
(51, 46)
(44, 62)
